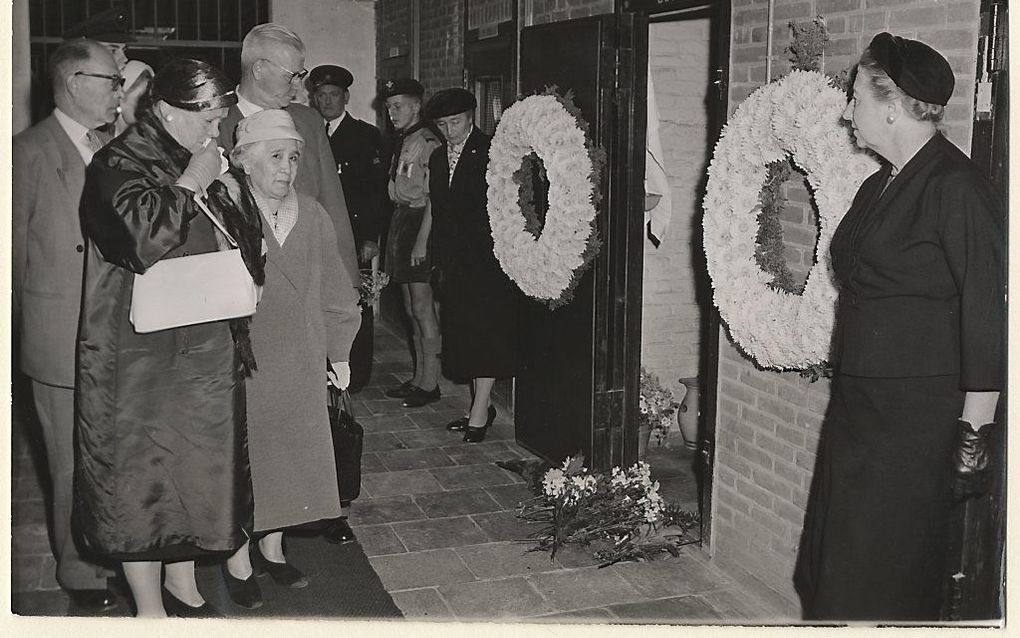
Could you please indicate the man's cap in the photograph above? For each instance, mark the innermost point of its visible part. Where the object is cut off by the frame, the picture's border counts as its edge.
(450, 102)
(403, 86)
(111, 25)
(330, 74)
(919, 70)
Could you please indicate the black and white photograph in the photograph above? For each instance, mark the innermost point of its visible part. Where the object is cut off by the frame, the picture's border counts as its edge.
(516, 317)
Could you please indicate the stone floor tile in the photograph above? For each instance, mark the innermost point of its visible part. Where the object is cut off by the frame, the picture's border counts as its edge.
(376, 407)
(369, 392)
(420, 569)
(732, 605)
(420, 459)
(371, 463)
(30, 540)
(432, 437)
(440, 532)
(505, 526)
(495, 599)
(26, 572)
(593, 615)
(388, 509)
(499, 560)
(393, 483)
(464, 476)
(422, 604)
(669, 577)
(501, 431)
(382, 442)
(576, 556)
(508, 496)
(28, 512)
(487, 452)
(677, 610)
(386, 423)
(382, 368)
(436, 419)
(584, 588)
(378, 540)
(451, 404)
(457, 503)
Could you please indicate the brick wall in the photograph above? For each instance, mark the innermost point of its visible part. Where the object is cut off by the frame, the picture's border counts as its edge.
(442, 45)
(671, 317)
(768, 423)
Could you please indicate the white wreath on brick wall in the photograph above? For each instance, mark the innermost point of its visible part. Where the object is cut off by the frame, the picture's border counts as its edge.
(797, 116)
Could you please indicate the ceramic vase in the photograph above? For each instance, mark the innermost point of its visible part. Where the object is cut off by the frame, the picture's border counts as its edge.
(687, 414)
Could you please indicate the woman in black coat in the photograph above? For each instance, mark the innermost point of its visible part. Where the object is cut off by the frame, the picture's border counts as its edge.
(479, 303)
(919, 348)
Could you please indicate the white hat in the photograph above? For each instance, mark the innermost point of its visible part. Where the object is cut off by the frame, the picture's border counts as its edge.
(270, 124)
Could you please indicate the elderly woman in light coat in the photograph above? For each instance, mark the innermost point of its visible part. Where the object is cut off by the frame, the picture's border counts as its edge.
(308, 313)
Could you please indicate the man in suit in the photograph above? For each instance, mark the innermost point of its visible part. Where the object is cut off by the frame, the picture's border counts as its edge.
(272, 67)
(356, 148)
(48, 247)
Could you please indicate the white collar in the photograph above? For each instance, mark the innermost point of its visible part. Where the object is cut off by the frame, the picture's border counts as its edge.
(74, 129)
(245, 106)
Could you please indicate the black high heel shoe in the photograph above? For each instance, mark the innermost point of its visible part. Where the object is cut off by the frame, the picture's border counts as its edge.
(476, 434)
(461, 424)
(174, 606)
(245, 593)
(284, 574)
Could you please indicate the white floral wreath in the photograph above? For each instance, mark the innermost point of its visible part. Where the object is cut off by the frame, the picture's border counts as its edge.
(548, 267)
(798, 116)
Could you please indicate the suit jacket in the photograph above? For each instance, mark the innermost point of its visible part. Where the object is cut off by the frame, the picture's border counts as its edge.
(357, 150)
(459, 216)
(316, 175)
(922, 271)
(47, 248)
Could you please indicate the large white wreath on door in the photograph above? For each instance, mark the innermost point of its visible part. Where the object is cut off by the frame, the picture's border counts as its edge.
(547, 262)
(797, 116)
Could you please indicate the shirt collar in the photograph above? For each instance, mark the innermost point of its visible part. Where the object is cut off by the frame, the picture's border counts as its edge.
(72, 127)
(245, 106)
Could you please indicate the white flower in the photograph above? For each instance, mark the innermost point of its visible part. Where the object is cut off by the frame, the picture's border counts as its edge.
(796, 116)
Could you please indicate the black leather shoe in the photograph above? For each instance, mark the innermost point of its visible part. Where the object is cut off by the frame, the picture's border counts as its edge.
(285, 574)
(93, 599)
(402, 391)
(245, 593)
(339, 532)
(419, 397)
(180, 609)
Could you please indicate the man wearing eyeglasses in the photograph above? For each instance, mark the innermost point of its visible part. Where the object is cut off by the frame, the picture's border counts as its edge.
(48, 258)
(272, 68)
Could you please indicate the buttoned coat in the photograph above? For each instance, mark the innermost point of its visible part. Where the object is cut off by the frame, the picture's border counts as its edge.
(316, 175)
(356, 147)
(47, 249)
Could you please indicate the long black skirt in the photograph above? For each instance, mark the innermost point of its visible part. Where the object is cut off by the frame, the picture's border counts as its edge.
(876, 531)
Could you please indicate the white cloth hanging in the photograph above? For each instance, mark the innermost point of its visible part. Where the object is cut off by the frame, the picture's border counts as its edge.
(656, 183)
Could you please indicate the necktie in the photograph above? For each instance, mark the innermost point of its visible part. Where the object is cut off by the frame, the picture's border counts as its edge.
(92, 141)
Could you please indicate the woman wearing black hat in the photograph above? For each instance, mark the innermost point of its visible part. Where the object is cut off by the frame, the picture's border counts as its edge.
(919, 347)
(479, 301)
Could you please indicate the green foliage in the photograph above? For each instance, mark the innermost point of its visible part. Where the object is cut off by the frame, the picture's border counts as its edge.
(808, 44)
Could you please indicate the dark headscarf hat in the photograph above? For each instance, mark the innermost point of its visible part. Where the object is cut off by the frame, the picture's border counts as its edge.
(193, 85)
(450, 102)
(917, 69)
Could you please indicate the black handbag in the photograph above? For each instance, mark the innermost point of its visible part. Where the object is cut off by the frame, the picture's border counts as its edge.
(348, 441)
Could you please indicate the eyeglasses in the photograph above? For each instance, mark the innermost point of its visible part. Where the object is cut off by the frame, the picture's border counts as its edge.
(116, 81)
(299, 75)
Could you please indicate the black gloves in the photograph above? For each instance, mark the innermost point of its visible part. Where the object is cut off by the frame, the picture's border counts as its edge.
(971, 461)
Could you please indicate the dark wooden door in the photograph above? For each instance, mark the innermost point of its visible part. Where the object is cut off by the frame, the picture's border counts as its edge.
(576, 389)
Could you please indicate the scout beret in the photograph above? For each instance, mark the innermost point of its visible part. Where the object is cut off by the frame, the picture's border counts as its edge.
(450, 102)
(403, 86)
(919, 70)
(110, 25)
(330, 74)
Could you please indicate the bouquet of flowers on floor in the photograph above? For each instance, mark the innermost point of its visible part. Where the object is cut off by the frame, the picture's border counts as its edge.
(372, 284)
(619, 513)
(656, 406)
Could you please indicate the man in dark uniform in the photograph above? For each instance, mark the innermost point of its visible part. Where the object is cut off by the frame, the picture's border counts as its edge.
(356, 149)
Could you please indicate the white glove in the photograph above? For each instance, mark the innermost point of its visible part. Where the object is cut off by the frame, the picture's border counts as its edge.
(340, 374)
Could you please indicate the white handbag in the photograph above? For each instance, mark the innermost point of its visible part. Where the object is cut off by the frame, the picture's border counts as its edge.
(184, 291)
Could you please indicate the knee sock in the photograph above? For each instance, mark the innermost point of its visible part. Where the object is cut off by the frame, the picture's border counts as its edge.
(431, 347)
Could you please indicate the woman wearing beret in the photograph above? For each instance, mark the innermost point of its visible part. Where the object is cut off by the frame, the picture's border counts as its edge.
(308, 313)
(919, 347)
(479, 302)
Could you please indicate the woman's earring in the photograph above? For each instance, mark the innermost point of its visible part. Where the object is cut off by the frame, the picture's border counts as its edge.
(890, 119)
(170, 118)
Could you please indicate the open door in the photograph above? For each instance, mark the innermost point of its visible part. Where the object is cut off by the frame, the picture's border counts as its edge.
(577, 388)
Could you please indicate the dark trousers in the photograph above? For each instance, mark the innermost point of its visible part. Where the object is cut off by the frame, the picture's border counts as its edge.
(361, 350)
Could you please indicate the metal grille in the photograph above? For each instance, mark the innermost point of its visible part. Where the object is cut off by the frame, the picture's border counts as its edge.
(489, 92)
